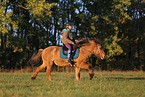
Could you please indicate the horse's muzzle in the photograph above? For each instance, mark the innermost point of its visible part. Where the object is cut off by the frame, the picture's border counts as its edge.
(103, 57)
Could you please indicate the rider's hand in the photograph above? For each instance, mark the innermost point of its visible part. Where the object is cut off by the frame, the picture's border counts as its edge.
(72, 42)
(76, 41)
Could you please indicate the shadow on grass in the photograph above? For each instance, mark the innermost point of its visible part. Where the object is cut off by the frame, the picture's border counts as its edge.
(122, 78)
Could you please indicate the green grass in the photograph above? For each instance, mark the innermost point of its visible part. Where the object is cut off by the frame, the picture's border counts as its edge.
(104, 84)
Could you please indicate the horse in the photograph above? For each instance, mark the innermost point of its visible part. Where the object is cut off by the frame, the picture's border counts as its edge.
(86, 46)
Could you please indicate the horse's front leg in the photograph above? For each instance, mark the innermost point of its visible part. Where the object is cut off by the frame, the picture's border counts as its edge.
(86, 66)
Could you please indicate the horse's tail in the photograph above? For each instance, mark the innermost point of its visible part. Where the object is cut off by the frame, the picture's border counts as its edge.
(36, 58)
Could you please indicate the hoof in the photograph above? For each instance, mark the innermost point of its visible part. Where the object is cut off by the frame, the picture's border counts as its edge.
(91, 76)
(33, 77)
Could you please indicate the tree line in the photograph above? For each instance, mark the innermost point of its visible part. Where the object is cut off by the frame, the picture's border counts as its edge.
(28, 25)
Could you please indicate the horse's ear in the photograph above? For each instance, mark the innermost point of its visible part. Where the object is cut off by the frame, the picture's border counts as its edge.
(98, 41)
(94, 38)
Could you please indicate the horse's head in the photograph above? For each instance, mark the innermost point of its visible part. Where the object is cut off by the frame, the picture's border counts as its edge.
(98, 51)
(90, 43)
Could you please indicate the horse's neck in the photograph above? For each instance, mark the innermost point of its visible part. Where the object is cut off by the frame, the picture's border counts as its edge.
(87, 50)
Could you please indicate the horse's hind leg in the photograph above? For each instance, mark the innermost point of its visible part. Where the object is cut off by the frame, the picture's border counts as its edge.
(49, 70)
(38, 70)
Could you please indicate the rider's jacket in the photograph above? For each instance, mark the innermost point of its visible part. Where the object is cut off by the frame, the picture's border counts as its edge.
(66, 36)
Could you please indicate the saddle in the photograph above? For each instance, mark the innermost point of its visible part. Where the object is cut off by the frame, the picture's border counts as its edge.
(64, 53)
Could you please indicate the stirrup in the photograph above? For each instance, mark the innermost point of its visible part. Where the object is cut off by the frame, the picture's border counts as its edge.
(71, 62)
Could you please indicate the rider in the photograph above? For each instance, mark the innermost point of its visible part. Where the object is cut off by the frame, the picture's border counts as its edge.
(67, 39)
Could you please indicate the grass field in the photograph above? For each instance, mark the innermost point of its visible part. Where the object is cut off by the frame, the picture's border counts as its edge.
(104, 84)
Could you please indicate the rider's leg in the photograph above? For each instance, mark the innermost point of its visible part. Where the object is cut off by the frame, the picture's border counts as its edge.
(69, 52)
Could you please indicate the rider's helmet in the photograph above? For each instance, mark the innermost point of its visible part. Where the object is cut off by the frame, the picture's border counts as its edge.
(68, 24)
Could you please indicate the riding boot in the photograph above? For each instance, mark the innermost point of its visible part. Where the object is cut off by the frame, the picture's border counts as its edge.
(69, 56)
(70, 59)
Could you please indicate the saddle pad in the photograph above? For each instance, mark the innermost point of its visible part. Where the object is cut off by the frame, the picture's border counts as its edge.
(62, 55)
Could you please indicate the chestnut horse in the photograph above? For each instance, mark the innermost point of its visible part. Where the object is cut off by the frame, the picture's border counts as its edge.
(51, 54)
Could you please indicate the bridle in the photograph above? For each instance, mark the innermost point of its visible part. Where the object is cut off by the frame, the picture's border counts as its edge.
(98, 50)
(95, 50)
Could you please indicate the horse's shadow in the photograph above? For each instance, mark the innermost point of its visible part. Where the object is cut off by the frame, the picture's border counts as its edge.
(123, 78)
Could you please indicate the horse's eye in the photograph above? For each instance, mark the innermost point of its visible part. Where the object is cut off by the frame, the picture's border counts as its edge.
(101, 48)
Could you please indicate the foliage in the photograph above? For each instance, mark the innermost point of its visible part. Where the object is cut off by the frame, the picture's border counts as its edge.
(5, 18)
(27, 25)
(39, 8)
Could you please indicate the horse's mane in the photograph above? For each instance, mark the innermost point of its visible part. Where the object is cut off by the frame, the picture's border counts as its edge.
(86, 41)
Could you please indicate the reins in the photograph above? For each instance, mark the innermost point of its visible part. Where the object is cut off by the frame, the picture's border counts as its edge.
(85, 50)
(90, 51)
